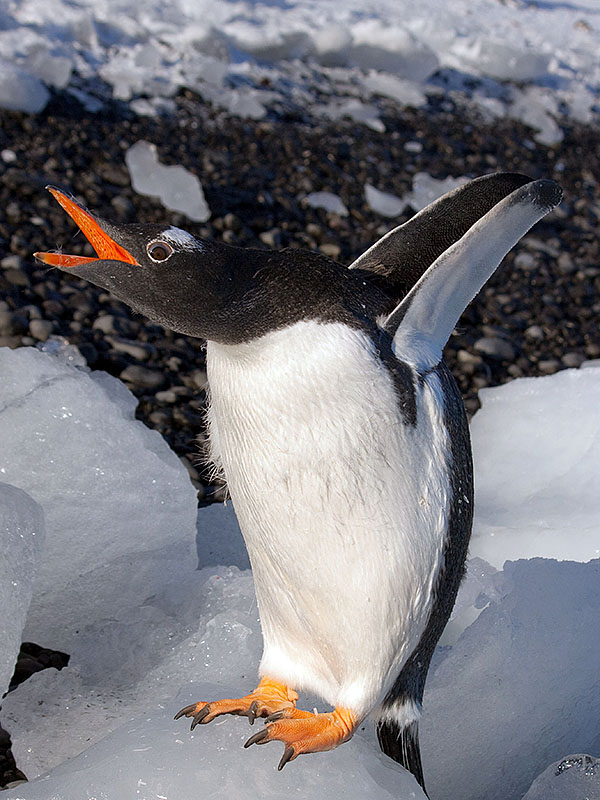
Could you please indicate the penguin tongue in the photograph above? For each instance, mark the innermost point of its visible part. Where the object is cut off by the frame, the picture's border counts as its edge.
(105, 247)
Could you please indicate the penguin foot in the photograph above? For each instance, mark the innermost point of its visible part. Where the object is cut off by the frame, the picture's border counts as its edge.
(267, 699)
(303, 732)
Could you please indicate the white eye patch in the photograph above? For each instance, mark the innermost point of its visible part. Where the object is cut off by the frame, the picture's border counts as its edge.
(180, 239)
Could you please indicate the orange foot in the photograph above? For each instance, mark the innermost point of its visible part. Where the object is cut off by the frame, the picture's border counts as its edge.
(303, 732)
(268, 698)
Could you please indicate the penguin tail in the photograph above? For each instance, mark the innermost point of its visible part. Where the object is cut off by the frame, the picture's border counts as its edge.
(400, 741)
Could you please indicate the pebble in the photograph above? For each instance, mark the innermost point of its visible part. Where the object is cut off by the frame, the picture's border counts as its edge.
(525, 261)
(142, 376)
(494, 347)
(565, 264)
(534, 332)
(41, 329)
(11, 261)
(105, 323)
(549, 366)
(141, 352)
(573, 359)
(331, 250)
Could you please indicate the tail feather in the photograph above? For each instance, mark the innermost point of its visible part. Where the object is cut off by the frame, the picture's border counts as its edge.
(402, 744)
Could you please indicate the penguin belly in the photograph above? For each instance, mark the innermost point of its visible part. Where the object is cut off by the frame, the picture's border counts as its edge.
(343, 504)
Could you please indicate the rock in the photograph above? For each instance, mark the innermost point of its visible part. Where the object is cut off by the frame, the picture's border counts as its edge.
(41, 329)
(6, 323)
(465, 357)
(573, 359)
(565, 264)
(271, 238)
(549, 366)
(534, 332)
(494, 347)
(105, 323)
(525, 261)
(331, 250)
(17, 277)
(11, 261)
(141, 352)
(142, 377)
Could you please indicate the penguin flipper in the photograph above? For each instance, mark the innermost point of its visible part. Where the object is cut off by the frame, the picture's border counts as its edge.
(401, 256)
(422, 323)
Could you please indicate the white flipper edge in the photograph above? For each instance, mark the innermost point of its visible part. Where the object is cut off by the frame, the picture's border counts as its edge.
(422, 323)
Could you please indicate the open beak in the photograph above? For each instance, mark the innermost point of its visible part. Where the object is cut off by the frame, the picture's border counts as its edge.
(105, 247)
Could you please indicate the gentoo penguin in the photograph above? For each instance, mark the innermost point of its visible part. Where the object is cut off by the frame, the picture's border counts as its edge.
(342, 437)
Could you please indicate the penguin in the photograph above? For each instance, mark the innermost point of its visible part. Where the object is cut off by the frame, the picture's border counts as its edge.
(342, 437)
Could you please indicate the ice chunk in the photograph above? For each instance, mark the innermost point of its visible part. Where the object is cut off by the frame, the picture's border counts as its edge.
(245, 104)
(177, 189)
(501, 60)
(115, 534)
(21, 536)
(388, 205)
(219, 539)
(519, 688)
(154, 756)
(391, 48)
(331, 44)
(53, 70)
(575, 777)
(538, 108)
(535, 447)
(20, 91)
(224, 643)
(407, 93)
(426, 189)
(327, 201)
(356, 110)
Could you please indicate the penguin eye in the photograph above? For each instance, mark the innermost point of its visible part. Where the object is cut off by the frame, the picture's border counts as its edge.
(159, 251)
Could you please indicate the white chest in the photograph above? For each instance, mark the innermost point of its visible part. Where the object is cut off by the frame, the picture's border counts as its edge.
(339, 501)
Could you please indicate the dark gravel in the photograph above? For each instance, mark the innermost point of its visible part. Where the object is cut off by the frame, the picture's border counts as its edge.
(537, 315)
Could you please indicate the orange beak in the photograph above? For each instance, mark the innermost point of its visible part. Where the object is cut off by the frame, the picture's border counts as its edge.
(105, 247)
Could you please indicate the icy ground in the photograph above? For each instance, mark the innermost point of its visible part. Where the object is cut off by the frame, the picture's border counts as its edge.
(532, 61)
(513, 689)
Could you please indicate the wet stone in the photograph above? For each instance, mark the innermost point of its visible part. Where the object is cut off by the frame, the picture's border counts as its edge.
(142, 376)
(494, 347)
(41, 329)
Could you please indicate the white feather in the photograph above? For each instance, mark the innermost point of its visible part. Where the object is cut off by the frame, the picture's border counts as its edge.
(422, 323)
(343, 507)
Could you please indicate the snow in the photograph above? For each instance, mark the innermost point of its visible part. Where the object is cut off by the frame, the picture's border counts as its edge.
(532, 61)
(513, 687)
(176, 187)
(22, 533)
(575, 777)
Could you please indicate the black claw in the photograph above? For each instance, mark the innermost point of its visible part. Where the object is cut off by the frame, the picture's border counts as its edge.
(252, 712)
(204, 712)
(288, 754)
(258, 738)
(275, 716)
(184, 711)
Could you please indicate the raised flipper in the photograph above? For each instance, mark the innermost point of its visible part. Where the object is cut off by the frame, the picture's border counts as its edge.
(422, 323)
(401, 256)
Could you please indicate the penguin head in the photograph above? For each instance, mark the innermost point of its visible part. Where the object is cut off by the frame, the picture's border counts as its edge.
(208, 289)
(181, 281)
